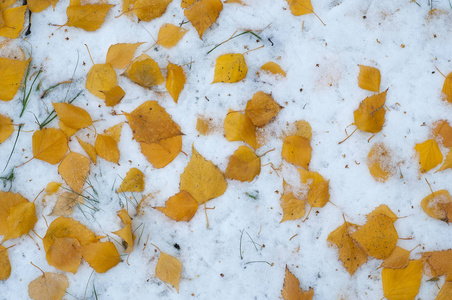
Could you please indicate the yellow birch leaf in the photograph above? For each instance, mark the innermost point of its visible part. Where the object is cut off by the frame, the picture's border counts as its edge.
(439, 262)
(100, 79)
(384, 210)
(202, 179)
(6, 128)
(11, 74)
(447, 88)
(36, 6)
(48, 286)
(319, 194)
(4, 4)
(163, 152)
(52, 188)
(133, 182)
(187, 3)
(291, 288)
(89, 17)
(204, 125)
(398, 259)
(433, 205)
(429, 155)
(273, 68)
(292, 207)
(73, 116)
(446, 291)
(203, 13)
(369, 78)
(115, 131)
(300, 7)
(101, 256)
(243, 165)
(378, 236)
(107, 148)
(379, 162)
(262, 108)
(7, 201)
(447, 163)
(175, 80)
(310, 177)
(180, 207)
(68, 131)
(21, 219)
(402, 284)
(5, 265)
(120, 55)
(65, 204)
(370, 116)
(147, 10)
(351, 254)
(64, 254)
(126, 232)
(303, 129)
(150, 123)
(230, 68)
(89, 149)
(170, 35)
(14, 19)
(114, 95)
(443, 133)
(238, 127)
(297, 150)
(168, 269)
(74, 168)
(144, 71)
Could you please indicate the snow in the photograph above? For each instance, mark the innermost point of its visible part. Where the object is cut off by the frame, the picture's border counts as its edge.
(321, 87)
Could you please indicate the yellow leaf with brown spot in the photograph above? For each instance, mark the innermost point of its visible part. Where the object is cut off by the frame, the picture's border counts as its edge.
(133, 182)
(310, 177)
(446, 291)
(74, 168)
(429, 155)
(89, 149)
(120, 55)
(384, 210)
(89, 17)
(52, 188)
(370, 116)
(447, 163)
(7, 201)
(107, 148)
(175, 80)
(101, 256)
(243, 165)
(170, 35)
(319, 194)
(64, 254)
(447, 88)
(5, 265)
(48, 286)
(6, 128)
(21, 219)
(204, 125)
(202, 14)
(126, 232)
(144, 71)
(300, 7)
(147, 10)
(262, 108)
(273, 68)
(202, 179)
(379, 162)
(439, 262)
(238, 127)
(292, 207)
(303, 129)
(402, 284)
(442, 132)
(369, 78)
(297, 150)
(14, 19)
(150, 123)
(351, 254)
(114, 96)
(73, 116)
(398, 259)
(230, 68)
(100, 79)
(180, 207)
(65, 204)
(291, 288)
(11, 74)
(36, 6)
(163, 152)
(68, 131)
(168, 269)
(434, 205)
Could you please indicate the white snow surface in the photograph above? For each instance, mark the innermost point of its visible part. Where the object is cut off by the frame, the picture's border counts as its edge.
(321, 87)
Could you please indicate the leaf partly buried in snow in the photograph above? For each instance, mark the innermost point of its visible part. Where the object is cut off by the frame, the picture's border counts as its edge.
(101, 256)
(402, 284)
(73, 116)
(291, 288)
(293, 208)
(65, 204)
(107, 148)
(100, 79)
(429, 155)
(163, 152)
(204, 125)
(6, 128)
(64, 254)
(14, 19)
(126, 232)
(442, 132)
(447, 88)
(180, 207)
(230, 68)
(300, 7)
(243, 165)
(48, 286)
(439, 262)
(88, 17)
(168, 269)
(120, 55)
(202, 14)
(370, 116)
(144, 71)
(273, 68)
(303, 129)
(74, 168)
(310, 177)
(262, 108)
(11, 74)
(297, 150)
(369, 78)
(175, 80)
(379, 162)
(398, 259)
(170, 35)
(238, 127)
(21, 219)
(133, 182)
(434, 205)
(5, 265)
(447, 163)
(147, 10)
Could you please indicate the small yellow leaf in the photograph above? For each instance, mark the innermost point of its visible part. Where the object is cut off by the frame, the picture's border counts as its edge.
(120, 55)
(107, 148)
(21, 219)
(163, 152)
(291, 288)
(434, 205)
(89, 149)
(101, 256)
(126, 232)
(319, 194)
(168, 269)
(6, 128)
(202, 14)
(14, 19)
(74, 168)
(73, 116)
(398, 259)
(114, 96)
(147, 10)
(238, 127)
(442, 132)
(300, 7)
(180, 207)
(402, 284)
(175, 80)
(48, 286)
(64, 254)
(369, 78)
(88, 17)
(170, 35)
(293, 208)
(273, 68)
(447, 88)
(100, 79)
(204, 126)
(133, 182)
(310, 177)
(52, 188)
(379, 162)
(7, 201)
(297, 150)
(230, 68)
(144, 71)
(36, 6)
(65, 204)
(429, 155)
(262, 108)
(5, 265)
(370, 116)
(243, 165)
(11, 74)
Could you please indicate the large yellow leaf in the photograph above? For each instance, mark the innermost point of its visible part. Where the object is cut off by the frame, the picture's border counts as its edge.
(379, 162)
(88, 17)
(144, 71)
(120, 55)
(230, 68)
(300, 7)
(443, 133)
(101, 256)
(370, 116)
(11, 75)
(293, 208)
(429, 155)
(74, 168)
(107, 148)
(180, 207)
(126, 232)
(175, 80)
(297, 150)
(273, 68)
(398, 259)
(163, 152)
(238, 127)
(168, 269)
(170, 35)
(6, 128)
(202, 179)
(100, 79)
(89, 149)
(64, 254)
(5, 265)
(48, 286)
(319, 194)
(133, 182)
(7, 201)
(434, 205)
(73, 116)
(447, 88)
(21, 219)
(369, 78)
(147, 10)
(291, 288)
(14, 22)
(402, 284)
(262, 108)
(351, 254)
(36, 6)
(203, 14)
(243, 165)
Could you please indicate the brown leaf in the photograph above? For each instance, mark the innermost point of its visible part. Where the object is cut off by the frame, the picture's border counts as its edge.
(65, 204)
(291, 289)
(439, 262)
(442, 132)
(48, 286)
(262, 108)
(243, 165)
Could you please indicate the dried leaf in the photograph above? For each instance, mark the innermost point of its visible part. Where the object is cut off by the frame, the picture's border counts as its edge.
(5, 265)
(402, 284)
(273, 68)
(319, 194)
(300, 7)
(292, 207)
(89, 149)
(48, 286)
(243, 165)
(369, 78)
(114, 96)
(120, 55)
(262, 108)
(7, 201)
(52, 188)
(442, 132)
(100, 79)
(370, 116)
(73, 116)
(89, 17)
(379, 162)
(64, 254)
(175, 80)
(101, 256)
(36, 6)
(291, 289)
(147, 10)
(14, 19)
(204, 126)
(230, 68)
(439, 262)
(202, 14)
(433, 205)
(126, 232)
(447, 88)
(163, 152)
(74, 168)
(65, 204)
(170, 35)
(144, 71)
(398, 259)
(238, 127)
(168, 269)
(107, 148)
(297, 150)
(11, 74)
(429, 155)
(180, 207)
(133, 182)
(6, 128)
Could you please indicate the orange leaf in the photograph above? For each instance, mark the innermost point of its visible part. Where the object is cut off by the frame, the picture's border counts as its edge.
(21, 219)
(50, 145)
(439, 262)
(64, 254)
(291, 289)
(170, 35)
(6, 128)
(446, 291)
(447, 88)
(443, 132)
(133, 182)
(434, 205)
(203, 13)
(88, 17)
(163, 152)
(114, 95)
(262, 108)
(5, 265)
(89, 149)
(243, 165)
(73, 116)
(180, 207)
(238, 127)
(293, 208)
(144, 71)
(398, 259)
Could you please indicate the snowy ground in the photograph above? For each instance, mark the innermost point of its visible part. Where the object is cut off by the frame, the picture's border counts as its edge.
(400, 38)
